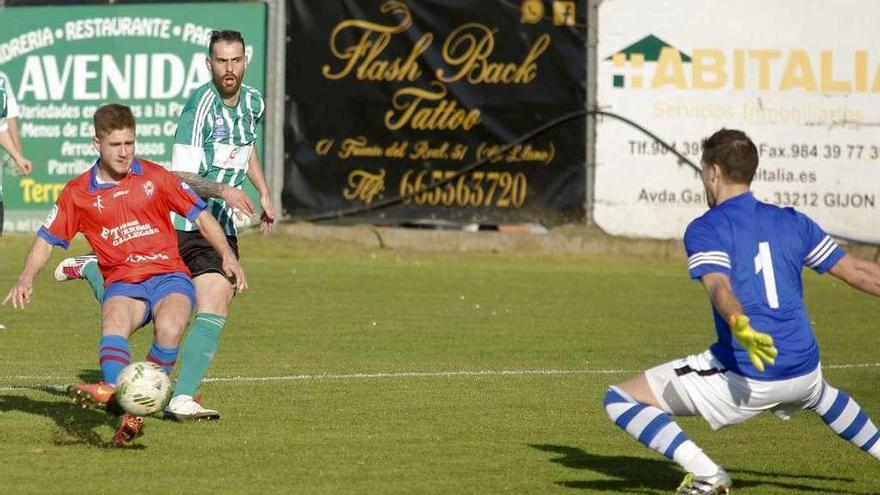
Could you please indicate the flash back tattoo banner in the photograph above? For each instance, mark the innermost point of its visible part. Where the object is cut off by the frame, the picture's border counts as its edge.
(387, 98)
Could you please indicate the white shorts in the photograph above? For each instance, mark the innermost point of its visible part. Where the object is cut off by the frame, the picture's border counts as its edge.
(699, 385)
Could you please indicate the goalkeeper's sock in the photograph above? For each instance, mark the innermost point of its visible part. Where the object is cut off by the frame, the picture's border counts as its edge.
(114, 355)
(848, 420)
(165, 357)
(93, 276)
(198, 352)
(656, 430)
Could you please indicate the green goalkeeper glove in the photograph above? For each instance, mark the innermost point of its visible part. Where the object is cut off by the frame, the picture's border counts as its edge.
(758, 345)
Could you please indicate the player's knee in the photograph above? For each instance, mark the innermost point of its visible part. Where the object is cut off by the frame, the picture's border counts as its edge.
(169, 333)
(614, 398)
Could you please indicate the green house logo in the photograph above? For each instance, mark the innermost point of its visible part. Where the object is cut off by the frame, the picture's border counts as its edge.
(629, 63)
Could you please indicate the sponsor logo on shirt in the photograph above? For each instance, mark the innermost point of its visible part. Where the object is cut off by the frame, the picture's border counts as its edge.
(141, 258)
(128, 231)
(230, 161)
(50, 218)
(120, 193)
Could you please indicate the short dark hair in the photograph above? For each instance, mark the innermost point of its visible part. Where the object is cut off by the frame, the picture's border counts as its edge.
(734, 152)
(112, 117)
(226, 35)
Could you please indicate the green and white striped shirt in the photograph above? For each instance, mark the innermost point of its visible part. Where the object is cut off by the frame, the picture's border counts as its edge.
(216, 141)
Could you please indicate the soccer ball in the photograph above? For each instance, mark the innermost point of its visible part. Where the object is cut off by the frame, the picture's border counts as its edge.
(143, 388)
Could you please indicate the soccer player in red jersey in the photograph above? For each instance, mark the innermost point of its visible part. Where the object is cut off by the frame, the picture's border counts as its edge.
(122, 206)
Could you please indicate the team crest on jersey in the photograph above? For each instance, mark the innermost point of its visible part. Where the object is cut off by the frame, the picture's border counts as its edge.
(149, 188)
(221, 131)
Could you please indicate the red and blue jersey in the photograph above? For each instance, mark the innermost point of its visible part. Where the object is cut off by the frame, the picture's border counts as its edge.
(763, 249)
(127, 224)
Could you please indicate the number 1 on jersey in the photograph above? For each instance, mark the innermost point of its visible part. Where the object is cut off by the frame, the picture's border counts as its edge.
(764, 265)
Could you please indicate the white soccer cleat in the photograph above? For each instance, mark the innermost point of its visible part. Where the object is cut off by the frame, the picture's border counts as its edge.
(72, 268)
(185, 408)
(717, 484)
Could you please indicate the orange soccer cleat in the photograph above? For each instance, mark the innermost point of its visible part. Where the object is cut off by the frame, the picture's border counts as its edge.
(93, 395)
(129, 428)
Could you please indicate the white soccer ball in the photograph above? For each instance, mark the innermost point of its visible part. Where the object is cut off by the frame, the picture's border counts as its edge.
(143, 388)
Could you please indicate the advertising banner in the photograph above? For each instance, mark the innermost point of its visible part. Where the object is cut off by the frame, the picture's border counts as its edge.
(387, 98)
(64, 62)
(806, 92)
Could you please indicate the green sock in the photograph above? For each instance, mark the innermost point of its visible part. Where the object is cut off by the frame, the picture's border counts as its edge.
(95, 279)
(197, 352)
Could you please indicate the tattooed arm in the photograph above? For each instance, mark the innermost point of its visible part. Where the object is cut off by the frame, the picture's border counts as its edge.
(236, 198)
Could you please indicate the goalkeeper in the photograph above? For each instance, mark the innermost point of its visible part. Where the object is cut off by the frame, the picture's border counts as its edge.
(749, 257)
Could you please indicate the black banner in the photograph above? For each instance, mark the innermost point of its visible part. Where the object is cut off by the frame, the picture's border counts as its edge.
(389, 98)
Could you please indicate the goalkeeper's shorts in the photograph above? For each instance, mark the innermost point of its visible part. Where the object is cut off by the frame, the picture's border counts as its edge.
(698, 385)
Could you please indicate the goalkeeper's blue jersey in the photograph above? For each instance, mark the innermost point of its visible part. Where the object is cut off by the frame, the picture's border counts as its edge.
(762, 248)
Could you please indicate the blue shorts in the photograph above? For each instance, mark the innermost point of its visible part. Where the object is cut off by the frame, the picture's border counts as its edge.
(153, 289)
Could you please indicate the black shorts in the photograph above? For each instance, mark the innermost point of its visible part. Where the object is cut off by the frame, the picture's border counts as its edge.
(200, 257)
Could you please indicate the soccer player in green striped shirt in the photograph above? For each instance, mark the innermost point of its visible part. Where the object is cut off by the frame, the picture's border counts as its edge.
(213, 153)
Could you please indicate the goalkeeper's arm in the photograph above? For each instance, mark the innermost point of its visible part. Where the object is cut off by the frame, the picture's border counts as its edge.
(721, 294)
(758, 345)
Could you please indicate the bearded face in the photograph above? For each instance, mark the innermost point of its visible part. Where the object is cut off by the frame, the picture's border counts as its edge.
(227, 64)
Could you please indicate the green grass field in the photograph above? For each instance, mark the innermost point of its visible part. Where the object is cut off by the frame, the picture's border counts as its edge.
(353, 370)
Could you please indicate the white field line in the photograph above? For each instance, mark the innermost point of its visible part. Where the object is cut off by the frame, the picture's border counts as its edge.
(399, 374)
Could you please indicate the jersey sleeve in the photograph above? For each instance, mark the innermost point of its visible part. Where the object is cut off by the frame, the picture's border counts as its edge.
(61, 224)
(181, 198)
(188, 153)
(705, 249)
(822, 252)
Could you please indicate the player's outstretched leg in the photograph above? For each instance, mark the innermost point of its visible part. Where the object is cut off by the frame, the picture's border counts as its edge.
(656, 429)
(198, 350)
(83, 267)
(844, 415)
(114, 355)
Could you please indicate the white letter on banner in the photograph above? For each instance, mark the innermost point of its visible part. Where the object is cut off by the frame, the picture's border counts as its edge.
(33, 80)
(157, 76)
(82, 77)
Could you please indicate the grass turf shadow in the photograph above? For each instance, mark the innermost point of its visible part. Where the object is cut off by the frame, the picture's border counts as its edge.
(76, 426)
(639, 475)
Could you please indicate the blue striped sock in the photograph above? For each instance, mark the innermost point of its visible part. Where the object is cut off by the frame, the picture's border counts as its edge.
(656, 430)
(114, 354)
(848, 420)
(164, 357)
